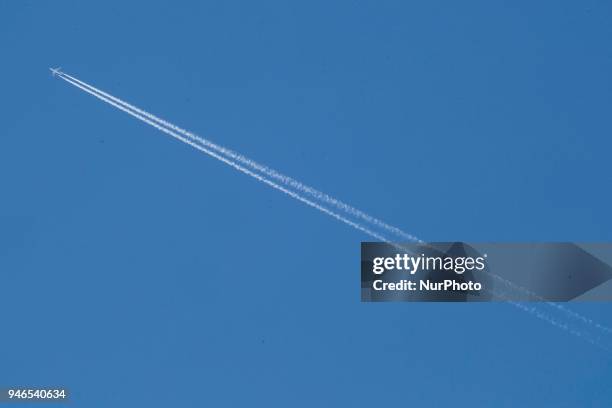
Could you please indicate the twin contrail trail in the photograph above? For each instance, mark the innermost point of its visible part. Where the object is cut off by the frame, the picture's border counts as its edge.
(303, 188)
(228, 162)
(293, 188)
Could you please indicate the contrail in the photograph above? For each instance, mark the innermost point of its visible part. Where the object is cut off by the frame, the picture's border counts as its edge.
(554, 305)
(534, 311)
(254, 165)
(563, 326)
(235, 165)
(197, 142)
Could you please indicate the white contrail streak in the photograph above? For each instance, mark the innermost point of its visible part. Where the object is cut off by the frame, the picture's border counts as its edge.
(197, 143)
(554, 305)
(235, 165)
(534, 311)
(255, 165)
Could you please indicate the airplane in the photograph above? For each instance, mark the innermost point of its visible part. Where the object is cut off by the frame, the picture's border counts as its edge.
(56, 71)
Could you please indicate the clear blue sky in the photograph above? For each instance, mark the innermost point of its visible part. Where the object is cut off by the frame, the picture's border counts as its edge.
(139, 272)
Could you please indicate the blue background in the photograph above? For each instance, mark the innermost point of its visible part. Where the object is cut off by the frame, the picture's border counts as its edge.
(139, 272)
